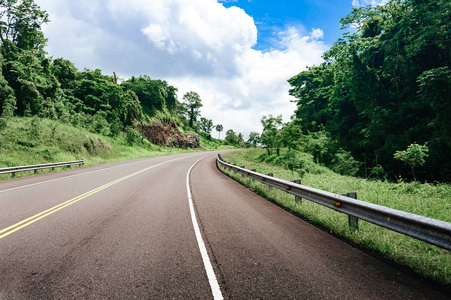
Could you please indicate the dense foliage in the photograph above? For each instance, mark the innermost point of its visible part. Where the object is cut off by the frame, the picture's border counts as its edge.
(34, 85)
(385, 85)
(153, 94)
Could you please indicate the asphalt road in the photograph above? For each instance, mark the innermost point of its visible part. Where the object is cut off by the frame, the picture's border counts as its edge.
(126, 231)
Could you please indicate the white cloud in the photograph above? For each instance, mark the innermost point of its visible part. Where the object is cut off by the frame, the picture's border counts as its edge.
(317, 34)
(196, 45)
(358, 3)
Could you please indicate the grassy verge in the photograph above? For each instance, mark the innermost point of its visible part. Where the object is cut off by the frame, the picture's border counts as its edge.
(432, 201)
(28, 141)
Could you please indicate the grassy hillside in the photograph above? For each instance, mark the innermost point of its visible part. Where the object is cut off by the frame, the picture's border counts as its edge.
(26, 141)
(429, 200)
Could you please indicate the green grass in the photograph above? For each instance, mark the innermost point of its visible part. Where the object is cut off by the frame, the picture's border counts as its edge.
(433, 201)
(29, 141)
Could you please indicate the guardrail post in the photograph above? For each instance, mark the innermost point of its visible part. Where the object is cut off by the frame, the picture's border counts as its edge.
(272, 175)
(35, 171)
(243, 168)
(353, 222)
(297, 198)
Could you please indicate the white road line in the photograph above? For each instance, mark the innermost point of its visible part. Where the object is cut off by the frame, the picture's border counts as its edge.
(214, 285)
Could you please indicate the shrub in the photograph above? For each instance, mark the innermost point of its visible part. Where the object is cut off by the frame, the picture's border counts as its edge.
(343, 163)
(100, 125)
(378, 172)
(35, 127)
(132, 136)
(295, 163)
(414, 156)
(116, 127)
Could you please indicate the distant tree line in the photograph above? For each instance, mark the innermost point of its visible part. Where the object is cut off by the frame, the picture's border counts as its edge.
(384, 87)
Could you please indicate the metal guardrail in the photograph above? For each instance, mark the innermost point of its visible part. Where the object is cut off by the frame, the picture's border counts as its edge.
(429, 230)
(14, 170)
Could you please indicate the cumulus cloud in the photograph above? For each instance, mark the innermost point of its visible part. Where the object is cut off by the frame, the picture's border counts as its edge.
(196, 45)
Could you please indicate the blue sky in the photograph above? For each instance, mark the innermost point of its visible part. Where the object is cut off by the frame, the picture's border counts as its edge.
(272, 17)
(237, 54)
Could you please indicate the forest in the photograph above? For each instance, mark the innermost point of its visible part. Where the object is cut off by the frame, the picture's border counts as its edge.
(381, 100)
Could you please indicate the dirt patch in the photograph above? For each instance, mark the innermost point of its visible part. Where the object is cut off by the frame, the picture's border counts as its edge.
(167, 134)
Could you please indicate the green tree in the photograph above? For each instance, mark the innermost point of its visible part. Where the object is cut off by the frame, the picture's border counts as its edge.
(219, 128)
(270, 136)
(171, 98)
(20, 23)
(150, 93)
(192, 103)
(153, 94)
(206, 125)
(320, 145)
(232, 138)
(254, 138)
(435, 90)
(7, 98)
(35, 88)
(240, 139)
(414, 156)
(95, 96)
(290, 135)
(313, 89)
(66, 73)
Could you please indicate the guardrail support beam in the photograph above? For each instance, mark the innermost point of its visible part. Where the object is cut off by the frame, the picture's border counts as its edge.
(271, 175)
(353, 222)
(298, 199)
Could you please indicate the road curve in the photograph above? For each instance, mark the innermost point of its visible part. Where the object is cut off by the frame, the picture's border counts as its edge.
(125, 231)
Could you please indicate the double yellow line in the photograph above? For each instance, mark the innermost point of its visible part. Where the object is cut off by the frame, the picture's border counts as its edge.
(22, 224)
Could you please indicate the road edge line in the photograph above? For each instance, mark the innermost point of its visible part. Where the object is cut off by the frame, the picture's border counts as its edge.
(214, 285)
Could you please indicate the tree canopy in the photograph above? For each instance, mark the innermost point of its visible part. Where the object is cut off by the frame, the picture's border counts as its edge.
(153, 94)
(20, 24)
(386, 84)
